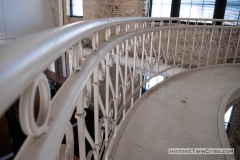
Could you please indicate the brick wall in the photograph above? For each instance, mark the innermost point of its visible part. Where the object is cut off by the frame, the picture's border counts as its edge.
(96, 9)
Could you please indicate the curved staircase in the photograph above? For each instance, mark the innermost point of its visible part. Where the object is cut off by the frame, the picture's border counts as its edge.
(198, 58)
(181, 113)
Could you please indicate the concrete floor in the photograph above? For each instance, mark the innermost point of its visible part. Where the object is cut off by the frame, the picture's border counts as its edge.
(182, 113)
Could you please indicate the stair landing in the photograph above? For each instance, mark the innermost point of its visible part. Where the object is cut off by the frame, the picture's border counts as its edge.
(182, 113)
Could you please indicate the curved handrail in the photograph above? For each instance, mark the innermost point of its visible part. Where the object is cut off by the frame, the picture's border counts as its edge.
(48, 47)
(37, 50)
(230, 98)
(62, 103)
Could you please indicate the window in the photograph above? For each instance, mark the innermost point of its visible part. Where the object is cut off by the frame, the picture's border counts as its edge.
(76, 8)
(152, 82)
(228, 117)
(212, 9)
(232, 10)
(161, 8)
(197, 8)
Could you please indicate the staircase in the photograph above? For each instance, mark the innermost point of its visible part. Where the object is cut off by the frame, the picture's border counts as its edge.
(199, 62)
(184, 112)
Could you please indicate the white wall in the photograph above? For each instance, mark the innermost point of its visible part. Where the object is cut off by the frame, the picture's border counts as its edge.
(22, 17)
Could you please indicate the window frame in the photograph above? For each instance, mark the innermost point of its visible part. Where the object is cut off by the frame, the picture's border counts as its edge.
(218, 13)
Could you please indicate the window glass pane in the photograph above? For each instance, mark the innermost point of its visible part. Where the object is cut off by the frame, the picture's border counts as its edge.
(77, 2)
(232, 10)
(156, 12)
(153, 81)
(185, 10)
(77, 8)
(197, 8)
(161, 8)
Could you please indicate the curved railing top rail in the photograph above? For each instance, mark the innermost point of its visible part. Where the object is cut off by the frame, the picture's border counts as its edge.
(61, 103)
(21, 63)
(23, 59)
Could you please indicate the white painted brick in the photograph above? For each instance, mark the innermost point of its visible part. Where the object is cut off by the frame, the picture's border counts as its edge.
(2, 41)
(2, 34)
(11, 16)
(1, 14)
(11, 1)
(11, 8)
(14, 33)
(25, 8)
(2, 24)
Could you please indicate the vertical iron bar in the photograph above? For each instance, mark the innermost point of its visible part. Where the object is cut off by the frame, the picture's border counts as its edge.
(210, 46)
(236, 50)
(199, 55)
(96, 108)
(219, 46)
(229, 40)
(194, 37)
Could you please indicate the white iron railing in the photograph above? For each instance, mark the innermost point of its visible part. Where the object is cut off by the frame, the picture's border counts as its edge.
(110, 78)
